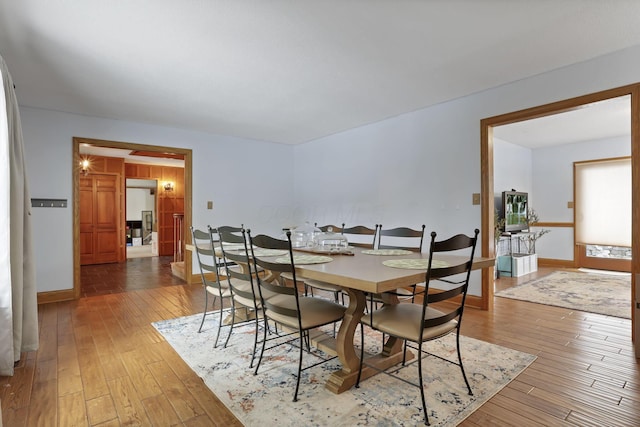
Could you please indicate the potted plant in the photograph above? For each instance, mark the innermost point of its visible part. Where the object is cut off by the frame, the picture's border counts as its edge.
(498, 226)
(527, 262)
(532, 237)
(524, 261)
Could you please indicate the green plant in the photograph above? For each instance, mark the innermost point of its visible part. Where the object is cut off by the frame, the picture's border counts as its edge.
(498, 226)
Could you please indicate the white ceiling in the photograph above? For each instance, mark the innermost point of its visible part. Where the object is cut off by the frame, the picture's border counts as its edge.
(291, 71)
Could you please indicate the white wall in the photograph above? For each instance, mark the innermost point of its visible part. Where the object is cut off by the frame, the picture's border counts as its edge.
(553, 187)
(513, 169)
(138, 200)
(248, 181)
(553, 173)
(392, 172)
(422, 167)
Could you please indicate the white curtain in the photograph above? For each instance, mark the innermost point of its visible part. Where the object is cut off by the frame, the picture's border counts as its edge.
(18, 294)
(603, 202)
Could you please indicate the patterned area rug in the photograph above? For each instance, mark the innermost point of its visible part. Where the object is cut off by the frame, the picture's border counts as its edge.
(380, 400)
(594, 293)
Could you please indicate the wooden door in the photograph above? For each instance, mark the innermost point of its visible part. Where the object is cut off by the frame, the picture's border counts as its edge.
(99, 219)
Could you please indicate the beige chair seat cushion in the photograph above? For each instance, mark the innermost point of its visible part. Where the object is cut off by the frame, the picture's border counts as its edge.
(289, 277)
(244, 301)
(403, 321)
(226, 292)
(313, 311)
(242, 269)
(401, 293)
(245, 286)
(313, 283)
(235, 268)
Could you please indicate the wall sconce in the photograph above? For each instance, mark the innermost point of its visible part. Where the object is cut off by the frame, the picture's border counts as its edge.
(168, 186)
(84, 166)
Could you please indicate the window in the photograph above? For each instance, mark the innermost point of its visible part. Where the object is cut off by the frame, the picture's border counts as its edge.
(603, 202)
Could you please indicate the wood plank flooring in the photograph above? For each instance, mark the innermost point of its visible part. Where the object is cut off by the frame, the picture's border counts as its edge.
(101, 363)
(134, 274)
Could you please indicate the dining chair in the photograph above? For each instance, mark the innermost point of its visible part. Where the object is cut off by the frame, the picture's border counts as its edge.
(361, 230)
(419, 323)
(335, 290)
(311, 284)
(330, 227)
(403, 238)
(241, 278)
(295, 313)
(204, 247)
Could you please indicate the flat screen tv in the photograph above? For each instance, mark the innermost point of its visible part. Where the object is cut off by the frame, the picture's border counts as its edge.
(515, 205)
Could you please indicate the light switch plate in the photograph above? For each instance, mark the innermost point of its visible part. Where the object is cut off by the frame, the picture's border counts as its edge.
(476, 198)
(209, 204)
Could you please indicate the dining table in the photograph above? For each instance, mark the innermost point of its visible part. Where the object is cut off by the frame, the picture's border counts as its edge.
(359, 272)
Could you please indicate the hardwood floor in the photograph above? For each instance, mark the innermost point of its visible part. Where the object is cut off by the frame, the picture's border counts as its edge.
(134, 274)
(101, 363)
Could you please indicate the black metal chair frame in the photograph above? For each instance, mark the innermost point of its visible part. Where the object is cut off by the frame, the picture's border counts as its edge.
(451, 276)
(362, 230)
(302, 334)
(215, 285)
(244, 272)
(401, 232)
(335, 290)
(334, 228)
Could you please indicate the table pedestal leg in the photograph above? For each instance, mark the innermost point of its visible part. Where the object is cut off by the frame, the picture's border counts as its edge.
(243, 314)
(344, 379)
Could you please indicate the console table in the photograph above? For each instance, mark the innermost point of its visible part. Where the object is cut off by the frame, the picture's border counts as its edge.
(513, 255)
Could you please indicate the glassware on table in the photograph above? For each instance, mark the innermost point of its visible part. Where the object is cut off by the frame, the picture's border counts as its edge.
(303, 236)
(330, 242)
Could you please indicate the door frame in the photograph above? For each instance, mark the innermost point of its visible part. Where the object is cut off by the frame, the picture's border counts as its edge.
(487, 171)
(188, 162)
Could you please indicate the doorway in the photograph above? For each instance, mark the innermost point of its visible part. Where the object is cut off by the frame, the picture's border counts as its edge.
(141, 217)
(487, 183)
(116, 145)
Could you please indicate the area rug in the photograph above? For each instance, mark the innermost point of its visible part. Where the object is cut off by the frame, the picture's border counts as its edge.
(594, 293)
(380, 401)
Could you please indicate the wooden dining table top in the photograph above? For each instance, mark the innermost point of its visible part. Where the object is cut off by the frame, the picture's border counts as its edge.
(368, 273)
